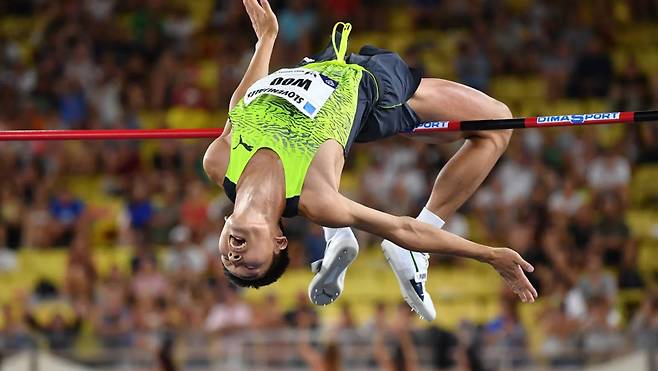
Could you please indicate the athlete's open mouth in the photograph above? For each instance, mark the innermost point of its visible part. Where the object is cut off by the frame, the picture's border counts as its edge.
(236, 241)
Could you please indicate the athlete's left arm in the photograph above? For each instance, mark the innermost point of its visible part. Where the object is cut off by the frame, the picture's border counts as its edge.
(336, 210)
(266, 27)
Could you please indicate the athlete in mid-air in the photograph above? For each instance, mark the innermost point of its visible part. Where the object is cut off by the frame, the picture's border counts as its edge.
(283, 149)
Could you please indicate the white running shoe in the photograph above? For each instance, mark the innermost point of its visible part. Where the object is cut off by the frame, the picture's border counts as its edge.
(410, 268)
(330, 271)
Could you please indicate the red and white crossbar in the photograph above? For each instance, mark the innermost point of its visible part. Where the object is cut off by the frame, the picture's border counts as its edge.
(537, 122)
(424, 128)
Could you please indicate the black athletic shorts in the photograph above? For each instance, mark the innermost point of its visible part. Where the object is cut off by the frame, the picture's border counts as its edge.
(382, 109)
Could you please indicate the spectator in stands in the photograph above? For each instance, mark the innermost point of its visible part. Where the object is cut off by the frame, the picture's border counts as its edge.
(330, 359)
(581, 227)
(567, 200)
(81, 70)
(184, 254)
(601, 338)
(632, 89)
(609, 172)
(302, 308)
(105, 97)
(341, 9)
(162, 80)
(596, 282)
(7, 257)
(192, 337)
(507, 335)
(168, 157)
(314, 244)
(60, 334)
(140, 211)
(167, 212)
(612, 232)
(297, 22)
(81, 273)
(472, 66)
(425, 12)
(179, 25)
(229, 314)
(560, 344)
(272, 318)
(36, 221)
(404, 356)
(73, 110)
(563, 260)
(148, 282)
(148, 322)
(647, 138)
(194, 208)
(66, 211)
(226, 13)
(100, 10)
(13, 332)
(629, 276)
(11, 214)
(592, 75)
(346, 320)
(515, 175)
(376, 182)
(165, 354)
(112, 320)
(644, 323)
(555, 69)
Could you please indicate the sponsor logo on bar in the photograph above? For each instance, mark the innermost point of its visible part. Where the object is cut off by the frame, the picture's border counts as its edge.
(578, 119)
(432, 125)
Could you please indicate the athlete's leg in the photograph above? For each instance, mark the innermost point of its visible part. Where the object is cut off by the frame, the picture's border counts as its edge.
(437, 100)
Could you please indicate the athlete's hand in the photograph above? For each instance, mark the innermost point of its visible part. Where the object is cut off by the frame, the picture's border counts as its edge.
(510, 265)
(262, 18)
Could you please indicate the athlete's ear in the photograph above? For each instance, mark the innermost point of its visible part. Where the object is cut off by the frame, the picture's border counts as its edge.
(281, 242)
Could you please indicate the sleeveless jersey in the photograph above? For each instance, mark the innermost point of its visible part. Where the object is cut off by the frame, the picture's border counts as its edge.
(293, 116)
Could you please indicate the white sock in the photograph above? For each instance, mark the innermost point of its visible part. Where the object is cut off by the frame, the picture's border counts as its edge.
(426, 216)
(330, 233)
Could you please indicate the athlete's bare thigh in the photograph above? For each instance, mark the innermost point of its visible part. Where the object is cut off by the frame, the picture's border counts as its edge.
(438, 100)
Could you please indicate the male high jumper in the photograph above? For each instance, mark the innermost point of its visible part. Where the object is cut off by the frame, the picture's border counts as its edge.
(284, 146)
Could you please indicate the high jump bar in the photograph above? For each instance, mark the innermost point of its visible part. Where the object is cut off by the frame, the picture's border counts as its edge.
(423, 128)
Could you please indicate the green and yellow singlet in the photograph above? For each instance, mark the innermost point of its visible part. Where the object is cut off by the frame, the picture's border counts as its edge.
(293, 112)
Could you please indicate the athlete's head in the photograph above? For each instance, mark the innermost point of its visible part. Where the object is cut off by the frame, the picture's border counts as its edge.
(254, 254)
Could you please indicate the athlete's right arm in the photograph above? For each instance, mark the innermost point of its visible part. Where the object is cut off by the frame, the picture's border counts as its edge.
(339, 211)
(266, 27)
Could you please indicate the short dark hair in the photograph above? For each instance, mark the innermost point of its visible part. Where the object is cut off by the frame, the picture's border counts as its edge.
(279, 265)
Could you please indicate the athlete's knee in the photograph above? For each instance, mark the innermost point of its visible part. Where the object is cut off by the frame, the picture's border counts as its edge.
(498, 138)
(501, 139)
(501, 110)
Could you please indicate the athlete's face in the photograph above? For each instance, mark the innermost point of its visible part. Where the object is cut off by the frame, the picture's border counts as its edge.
(247, 249)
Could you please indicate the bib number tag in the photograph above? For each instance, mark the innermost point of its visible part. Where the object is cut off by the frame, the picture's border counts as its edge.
(306, 89)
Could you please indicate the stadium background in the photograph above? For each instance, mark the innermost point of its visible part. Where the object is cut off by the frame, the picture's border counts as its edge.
(108, 250)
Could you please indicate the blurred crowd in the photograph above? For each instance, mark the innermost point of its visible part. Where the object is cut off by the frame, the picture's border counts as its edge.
(558, 197)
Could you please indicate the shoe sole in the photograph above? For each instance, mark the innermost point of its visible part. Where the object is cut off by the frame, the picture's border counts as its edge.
(325, 287)
(405, 287)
